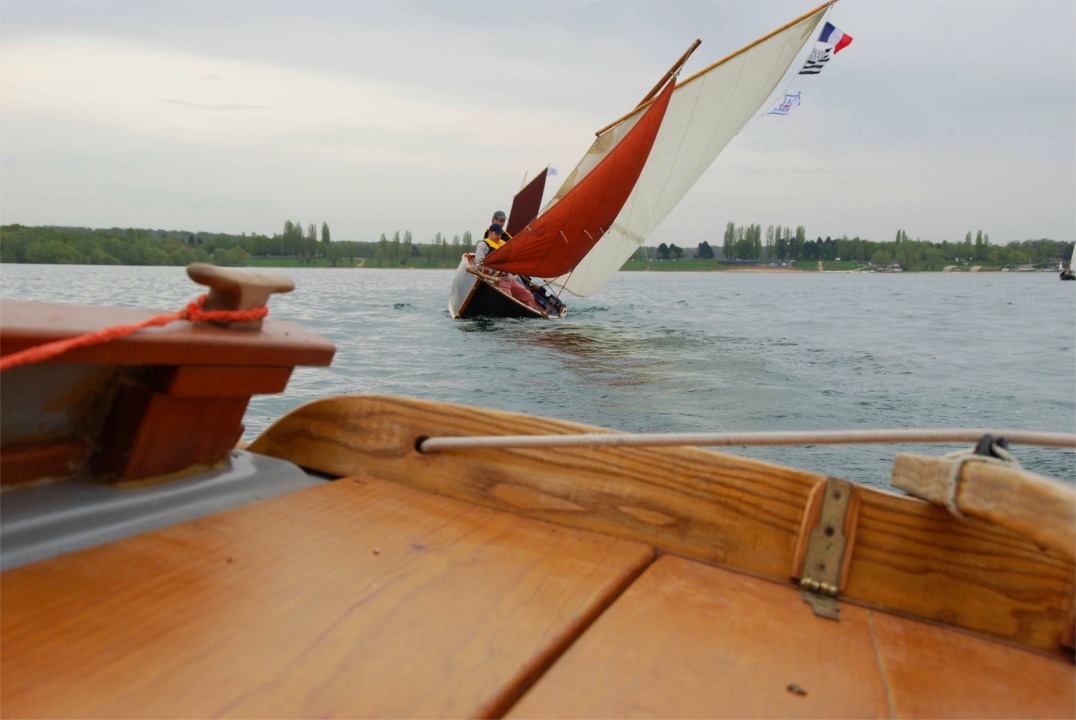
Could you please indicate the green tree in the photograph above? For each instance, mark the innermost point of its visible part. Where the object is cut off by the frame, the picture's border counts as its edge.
(729, 240)
(336, 253)
(234, 256)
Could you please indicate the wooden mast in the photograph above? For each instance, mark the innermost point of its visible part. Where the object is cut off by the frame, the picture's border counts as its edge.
(670, 73)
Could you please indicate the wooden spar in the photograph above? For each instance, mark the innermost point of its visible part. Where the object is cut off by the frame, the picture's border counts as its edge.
(722, 61)
(670, 73)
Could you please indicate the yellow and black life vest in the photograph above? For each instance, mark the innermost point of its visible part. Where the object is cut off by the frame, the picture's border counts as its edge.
(494, 244)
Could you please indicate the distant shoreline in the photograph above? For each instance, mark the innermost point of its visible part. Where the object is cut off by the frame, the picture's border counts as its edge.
(769, 270)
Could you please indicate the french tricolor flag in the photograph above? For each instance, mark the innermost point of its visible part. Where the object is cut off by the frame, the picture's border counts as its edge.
(832, 36)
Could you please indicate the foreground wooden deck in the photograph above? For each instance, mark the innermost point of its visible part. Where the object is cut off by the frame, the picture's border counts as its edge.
(367, 598)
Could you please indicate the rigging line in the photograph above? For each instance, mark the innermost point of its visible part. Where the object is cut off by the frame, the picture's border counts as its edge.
(842, 437)
(566, 279)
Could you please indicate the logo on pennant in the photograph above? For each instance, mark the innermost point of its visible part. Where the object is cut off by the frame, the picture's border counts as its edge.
(790, 102)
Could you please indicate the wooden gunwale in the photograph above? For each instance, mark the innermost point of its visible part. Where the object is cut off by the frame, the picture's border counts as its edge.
(910, 557)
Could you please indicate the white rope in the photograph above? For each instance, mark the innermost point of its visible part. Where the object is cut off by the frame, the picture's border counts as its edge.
(944, 435)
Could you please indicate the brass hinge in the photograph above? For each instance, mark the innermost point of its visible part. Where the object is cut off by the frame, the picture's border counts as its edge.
(828, 545)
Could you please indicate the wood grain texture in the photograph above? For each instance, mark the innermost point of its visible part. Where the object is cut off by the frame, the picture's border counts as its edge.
(693, 641)
(149, 434)
(927, 669)
(909, 556)
(358, 598)
(1038, 507)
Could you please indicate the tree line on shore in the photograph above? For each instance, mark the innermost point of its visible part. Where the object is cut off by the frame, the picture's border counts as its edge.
(782, 244)
(135, 246)
(131, 246)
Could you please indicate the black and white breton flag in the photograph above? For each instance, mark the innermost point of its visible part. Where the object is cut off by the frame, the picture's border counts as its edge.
(819, 57)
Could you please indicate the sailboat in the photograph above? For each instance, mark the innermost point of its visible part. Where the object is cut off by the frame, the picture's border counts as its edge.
(573, 246)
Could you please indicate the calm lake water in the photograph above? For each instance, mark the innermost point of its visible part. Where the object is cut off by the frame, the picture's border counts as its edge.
(681, 352)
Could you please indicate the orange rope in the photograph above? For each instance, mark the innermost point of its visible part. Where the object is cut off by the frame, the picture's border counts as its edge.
(193, 313)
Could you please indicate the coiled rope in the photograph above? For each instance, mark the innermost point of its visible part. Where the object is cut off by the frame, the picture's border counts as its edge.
(193, 313)
(846, 437)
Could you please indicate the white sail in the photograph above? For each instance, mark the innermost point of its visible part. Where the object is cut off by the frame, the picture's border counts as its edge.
(706, 111)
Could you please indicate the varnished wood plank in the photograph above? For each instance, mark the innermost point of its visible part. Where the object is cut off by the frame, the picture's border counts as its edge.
(24, 462)
(358, 598)
(918, 559)
(28, 324)
(908, 555)
(149, 434)
(693, 641)
(1040, 508)
(223, 381)
(930, 674)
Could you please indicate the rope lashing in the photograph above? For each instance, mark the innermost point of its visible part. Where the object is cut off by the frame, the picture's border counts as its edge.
(942, 435)
(193, 313)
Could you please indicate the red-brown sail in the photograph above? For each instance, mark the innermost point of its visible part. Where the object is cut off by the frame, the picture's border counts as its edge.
(526, 204)
(556, 241)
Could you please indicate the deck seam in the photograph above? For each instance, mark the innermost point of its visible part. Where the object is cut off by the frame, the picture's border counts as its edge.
(558, 651)
(881, 665)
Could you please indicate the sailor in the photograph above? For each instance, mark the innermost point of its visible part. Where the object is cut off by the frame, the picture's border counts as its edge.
(499, 218)
(494, 239)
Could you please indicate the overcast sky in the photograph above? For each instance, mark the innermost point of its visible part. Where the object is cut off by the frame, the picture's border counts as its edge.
(941, 117)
